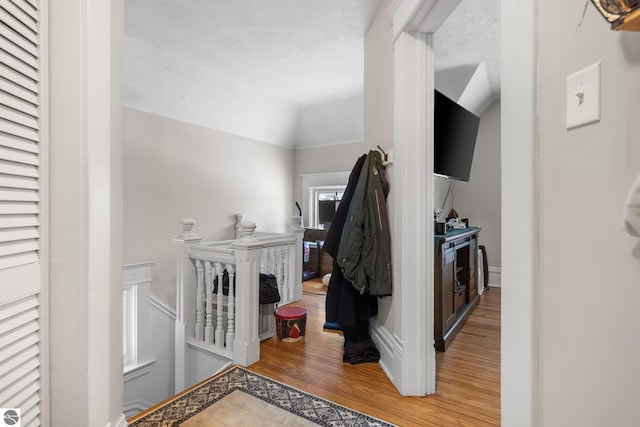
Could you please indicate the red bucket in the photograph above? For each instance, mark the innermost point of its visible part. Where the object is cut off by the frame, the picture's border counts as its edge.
(291, 323)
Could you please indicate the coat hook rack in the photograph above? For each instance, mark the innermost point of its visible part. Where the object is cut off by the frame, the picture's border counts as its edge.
(387, 158)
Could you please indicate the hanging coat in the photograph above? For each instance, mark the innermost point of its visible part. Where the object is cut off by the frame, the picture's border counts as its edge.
(364, 254)
(344, 305)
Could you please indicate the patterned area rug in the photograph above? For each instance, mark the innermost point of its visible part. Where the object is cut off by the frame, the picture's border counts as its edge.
(217, 402)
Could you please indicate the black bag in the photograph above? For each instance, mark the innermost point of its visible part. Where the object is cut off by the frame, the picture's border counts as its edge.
(225, 283)
(268, 289)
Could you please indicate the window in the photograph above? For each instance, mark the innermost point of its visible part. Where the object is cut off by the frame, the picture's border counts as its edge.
(324, 202)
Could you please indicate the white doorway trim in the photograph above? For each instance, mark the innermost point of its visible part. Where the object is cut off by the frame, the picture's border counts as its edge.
(413, 369)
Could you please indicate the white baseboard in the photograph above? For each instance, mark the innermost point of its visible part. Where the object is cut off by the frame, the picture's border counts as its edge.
(120, 422)
(134, 407)
(495, 277)
(388, 346)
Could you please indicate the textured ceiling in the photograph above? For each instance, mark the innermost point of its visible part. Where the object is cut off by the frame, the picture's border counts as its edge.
(256, 68)
(299, 52)
(471, 35)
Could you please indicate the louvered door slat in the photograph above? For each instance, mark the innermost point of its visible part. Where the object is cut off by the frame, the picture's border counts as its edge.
(18, 86)
(18, 117)
(30, 412)
(15, 234)
(20, 271)
(18, 333)
(21, 390)
(18, 221)
(13, 309)
(18, 156)
(12, 141)
(17, 39)
(19, 53)
(13, 76)
(20, 104)
(18, 66)
(21, 371)
(18, 259)
(17, 208)
(18, 195)
(7, 366)
(34, 4)
(18, 247)
(27, 7)
(12, 181)
(20, 16)
(18, 130)
(12, 168)
(17, 26)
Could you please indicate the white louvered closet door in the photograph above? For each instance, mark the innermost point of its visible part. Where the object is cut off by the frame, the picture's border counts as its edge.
(20, 270)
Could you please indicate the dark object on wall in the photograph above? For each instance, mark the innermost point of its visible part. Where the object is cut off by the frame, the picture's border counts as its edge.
(455, 131)
(622, 14)
(326, 211)
(268, 289)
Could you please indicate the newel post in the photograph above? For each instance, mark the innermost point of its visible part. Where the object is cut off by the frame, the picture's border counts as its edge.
(295, 263)
(185, 284)
(247, 251)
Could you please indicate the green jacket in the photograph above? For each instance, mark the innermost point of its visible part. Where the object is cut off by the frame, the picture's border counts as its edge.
(364, 254)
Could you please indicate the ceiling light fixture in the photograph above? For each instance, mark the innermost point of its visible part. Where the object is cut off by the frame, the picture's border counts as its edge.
(624, 15)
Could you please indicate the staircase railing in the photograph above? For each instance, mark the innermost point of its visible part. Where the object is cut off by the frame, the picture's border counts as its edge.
(217, 287)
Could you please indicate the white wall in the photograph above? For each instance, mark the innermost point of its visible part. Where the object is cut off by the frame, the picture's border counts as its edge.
(175, 170)
(337, 122)
(85, 245)
(378, 115)
(479, 199)
(336, 161)
(589, 345)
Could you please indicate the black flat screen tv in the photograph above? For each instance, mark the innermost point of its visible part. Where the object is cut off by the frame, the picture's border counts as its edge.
(455, 131)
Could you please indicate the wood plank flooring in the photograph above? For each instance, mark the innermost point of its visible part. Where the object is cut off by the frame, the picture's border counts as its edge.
(468, 374)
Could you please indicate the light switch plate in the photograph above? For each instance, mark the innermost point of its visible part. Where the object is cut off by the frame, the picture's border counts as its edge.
(583, 97)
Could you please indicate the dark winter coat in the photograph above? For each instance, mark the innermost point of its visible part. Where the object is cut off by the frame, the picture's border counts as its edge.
(364, 254)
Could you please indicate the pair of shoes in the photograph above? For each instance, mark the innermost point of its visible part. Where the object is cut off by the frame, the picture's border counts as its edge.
(360, 352)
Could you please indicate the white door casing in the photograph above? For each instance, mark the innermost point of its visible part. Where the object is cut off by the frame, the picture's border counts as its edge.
(412, 368)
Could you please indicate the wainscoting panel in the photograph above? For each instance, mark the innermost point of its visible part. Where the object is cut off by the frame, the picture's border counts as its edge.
(150, 379)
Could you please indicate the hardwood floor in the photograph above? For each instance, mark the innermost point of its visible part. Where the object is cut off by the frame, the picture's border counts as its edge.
(468, 374)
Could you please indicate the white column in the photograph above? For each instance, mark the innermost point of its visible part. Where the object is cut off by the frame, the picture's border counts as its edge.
(248, 251)
(414, 22)
(85, 179)
(413, 198)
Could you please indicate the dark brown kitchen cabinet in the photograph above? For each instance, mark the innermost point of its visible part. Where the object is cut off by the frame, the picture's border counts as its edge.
(455, 282)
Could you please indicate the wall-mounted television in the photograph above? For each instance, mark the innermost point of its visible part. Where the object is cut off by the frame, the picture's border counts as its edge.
(455, 131)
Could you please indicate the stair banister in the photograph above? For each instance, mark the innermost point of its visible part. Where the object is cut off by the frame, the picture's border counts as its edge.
(248, 251)
(183, 242)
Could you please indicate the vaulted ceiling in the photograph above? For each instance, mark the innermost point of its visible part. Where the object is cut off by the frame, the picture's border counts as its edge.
(263, 69)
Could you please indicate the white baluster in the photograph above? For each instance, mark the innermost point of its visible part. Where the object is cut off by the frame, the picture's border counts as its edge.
(284, 287)
(219, 343)
(208, 329)
(231, 308)
(199, 327)
(295, 259)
